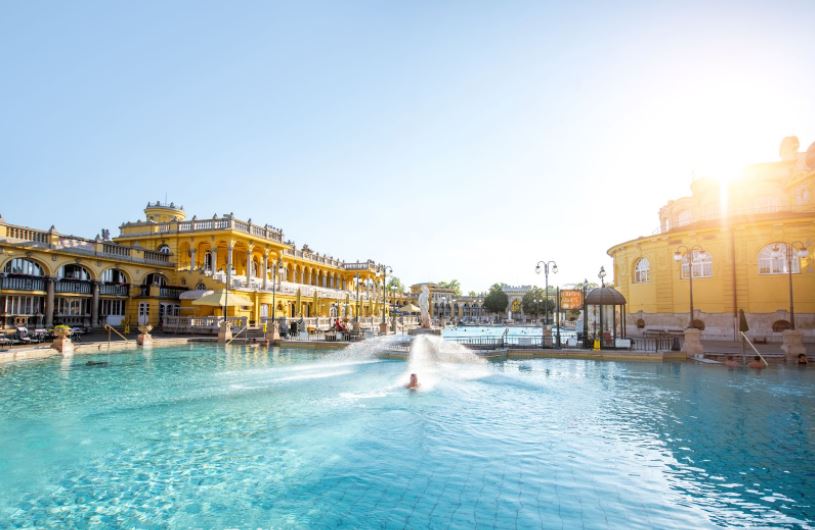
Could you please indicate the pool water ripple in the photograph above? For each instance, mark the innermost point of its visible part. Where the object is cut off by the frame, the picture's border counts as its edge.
(202, 437)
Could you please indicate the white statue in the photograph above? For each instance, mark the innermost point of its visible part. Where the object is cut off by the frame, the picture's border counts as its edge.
(424, 306)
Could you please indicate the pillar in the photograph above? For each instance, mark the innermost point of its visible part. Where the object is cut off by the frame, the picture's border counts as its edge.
(249, 264)
(49, 303)
(229, 250)
(214, 253)
(95, 306)
(266, 269)
(193, 264)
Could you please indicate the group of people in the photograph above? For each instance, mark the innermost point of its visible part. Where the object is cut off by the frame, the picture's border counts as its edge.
(758, 363)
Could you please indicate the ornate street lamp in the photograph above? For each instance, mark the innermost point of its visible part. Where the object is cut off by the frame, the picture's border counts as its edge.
(602, 277)
(797, 250)
(384, 269)
(585, 315)
(356, 311)
(278, 272)
(684, 253)
(544, 266)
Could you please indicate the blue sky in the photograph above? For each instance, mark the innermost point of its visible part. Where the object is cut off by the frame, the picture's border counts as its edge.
(448, 139)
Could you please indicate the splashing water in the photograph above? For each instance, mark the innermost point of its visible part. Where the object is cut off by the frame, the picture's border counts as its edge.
(364, 350)
(434, 360)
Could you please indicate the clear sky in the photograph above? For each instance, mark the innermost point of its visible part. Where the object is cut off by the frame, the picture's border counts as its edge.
(448, 139)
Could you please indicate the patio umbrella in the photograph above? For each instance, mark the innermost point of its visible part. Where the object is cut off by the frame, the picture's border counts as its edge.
(220, 299)
(410, 308)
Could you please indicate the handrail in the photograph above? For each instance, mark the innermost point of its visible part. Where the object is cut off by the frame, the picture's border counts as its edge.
(110, 329)
(754, 349)
(235, 336)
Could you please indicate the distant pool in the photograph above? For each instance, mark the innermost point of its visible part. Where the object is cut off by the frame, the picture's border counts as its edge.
(199, 437)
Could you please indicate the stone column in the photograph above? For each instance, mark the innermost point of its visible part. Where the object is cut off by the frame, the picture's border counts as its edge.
(266, 269)
(214, 253)
(95, 306)
(49, 302)
(193, 264)
(249, 264)
(229, 251)
(693, 342)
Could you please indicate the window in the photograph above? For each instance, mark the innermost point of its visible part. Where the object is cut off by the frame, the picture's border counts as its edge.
(23, 266)
(111, 307)
(24, 305)
(641, 269)
(772, 259)
(164, 249)
(73, 272)
(144, 312)
(114, 276)
(208, 261)
(72, 307)
(702, 265)
(155, 279)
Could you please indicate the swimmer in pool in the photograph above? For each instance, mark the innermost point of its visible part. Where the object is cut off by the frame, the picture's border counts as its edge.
(730, 362)
(756, 363)
(414, 383)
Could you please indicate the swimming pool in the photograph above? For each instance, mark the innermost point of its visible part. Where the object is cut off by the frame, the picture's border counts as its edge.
(196, 436)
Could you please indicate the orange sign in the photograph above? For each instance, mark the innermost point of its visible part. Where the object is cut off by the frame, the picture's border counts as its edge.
(571, 299)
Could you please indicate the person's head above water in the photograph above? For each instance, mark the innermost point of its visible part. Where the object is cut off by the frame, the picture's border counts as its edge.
(414, 381)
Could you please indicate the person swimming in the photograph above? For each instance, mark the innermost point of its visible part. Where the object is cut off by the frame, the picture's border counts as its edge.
(414, 383)
(731, 362)
(802, 359)
(757, 363)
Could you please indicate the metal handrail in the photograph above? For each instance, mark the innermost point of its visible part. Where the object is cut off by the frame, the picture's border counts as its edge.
(235, 336)
(754, 348)
(110, 329)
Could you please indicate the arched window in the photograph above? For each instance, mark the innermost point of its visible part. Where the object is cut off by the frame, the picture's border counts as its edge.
(772, 259)
(641, 269)
(24, 267)
(208, 261)
(155, 278)
(702, 265)
(164, 249)
(114, 276)
(72, 271)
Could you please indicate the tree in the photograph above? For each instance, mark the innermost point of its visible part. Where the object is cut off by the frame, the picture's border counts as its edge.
(472, 294)
(496, 300)
(396, 284)
(452, 284)
(535, 302)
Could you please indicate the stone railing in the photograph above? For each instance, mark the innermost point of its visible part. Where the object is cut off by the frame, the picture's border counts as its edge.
(143, 228)
(23, 283)
(200, 325)
(313, 256)
(716, 214)
(28, 237)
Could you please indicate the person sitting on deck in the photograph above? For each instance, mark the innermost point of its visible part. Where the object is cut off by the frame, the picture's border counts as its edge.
(414, 383)
(802, 359)
(756, 363)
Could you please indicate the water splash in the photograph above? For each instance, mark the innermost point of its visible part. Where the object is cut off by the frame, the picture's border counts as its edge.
(367, 349)
(434, 360)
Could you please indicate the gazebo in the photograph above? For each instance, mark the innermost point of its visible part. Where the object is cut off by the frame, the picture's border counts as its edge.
(604, 297)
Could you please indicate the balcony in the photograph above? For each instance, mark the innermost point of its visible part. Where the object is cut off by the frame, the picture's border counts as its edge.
(74, 286)
(227, 223)
(23, 283)
(114, 289)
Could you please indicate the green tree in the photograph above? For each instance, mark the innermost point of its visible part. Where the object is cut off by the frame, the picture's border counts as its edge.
(452, 284)
(472, 294)
(535, 302)
(496, 300)
(396, 284)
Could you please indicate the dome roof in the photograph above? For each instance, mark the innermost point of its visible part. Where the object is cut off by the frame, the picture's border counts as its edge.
(605, 296)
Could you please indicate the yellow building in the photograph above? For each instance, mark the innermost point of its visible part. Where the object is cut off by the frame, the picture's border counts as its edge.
(157, 266)
(748, 245)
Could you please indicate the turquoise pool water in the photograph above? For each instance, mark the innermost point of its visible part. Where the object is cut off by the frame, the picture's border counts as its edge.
(200, 437)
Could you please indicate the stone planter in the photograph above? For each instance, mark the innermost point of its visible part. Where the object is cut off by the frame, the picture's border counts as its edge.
(793, 345)
(62, 341)
(693, 342)
(224, 333)
(144, 339)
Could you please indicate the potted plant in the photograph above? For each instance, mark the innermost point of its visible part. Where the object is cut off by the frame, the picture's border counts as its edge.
(62, 339)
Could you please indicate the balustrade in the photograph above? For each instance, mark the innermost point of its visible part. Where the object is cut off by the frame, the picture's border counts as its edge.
(74, 286)
(114, 289)
(23, 283)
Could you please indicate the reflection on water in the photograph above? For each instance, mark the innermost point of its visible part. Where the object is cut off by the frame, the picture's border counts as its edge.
(199, 436)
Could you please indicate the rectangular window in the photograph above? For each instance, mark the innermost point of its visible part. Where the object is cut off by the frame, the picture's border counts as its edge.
(111, 307)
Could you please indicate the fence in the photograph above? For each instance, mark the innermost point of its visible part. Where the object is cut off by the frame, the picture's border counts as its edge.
(199, 325)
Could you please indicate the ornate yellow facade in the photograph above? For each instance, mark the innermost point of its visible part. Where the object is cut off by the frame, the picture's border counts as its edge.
(743, 239)
(157, 266)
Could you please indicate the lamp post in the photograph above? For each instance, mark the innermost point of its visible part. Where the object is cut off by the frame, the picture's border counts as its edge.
(544, 266)
(602, 277)
(688, 253)
(276, 273)
(797, 250)
(383, 326)
(585, 315)
(356, 311)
